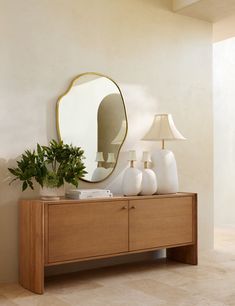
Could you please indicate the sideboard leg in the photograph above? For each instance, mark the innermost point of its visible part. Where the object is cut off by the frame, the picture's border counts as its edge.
(186, 254)
(31, 246)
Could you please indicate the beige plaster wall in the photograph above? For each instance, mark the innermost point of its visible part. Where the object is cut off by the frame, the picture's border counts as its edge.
(224, 131)
(161, 60)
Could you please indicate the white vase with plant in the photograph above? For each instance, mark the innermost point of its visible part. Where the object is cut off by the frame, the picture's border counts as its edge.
(50, 166)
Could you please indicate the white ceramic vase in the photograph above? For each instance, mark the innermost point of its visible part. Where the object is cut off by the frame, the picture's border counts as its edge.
(47, 193)
(149, 182)
(132, 180)
(164, 165)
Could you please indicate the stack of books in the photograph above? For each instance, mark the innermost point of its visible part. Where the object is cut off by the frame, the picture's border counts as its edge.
(88, 194)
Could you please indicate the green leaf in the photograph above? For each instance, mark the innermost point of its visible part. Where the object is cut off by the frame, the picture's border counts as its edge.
(50, 165)
(24, 186)
(30, 183)
(13, 171)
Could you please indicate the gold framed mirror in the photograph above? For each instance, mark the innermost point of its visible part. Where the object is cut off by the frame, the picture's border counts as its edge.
(91, 114)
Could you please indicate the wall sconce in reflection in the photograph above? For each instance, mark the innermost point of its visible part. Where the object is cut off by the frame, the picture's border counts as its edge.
(111, 159)
(99, 159)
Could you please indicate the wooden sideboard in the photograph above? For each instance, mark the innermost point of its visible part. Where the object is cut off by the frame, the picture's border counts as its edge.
(58, 232)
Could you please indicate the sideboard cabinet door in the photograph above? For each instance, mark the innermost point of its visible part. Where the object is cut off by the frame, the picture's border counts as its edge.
(85, 230)
(160, 222)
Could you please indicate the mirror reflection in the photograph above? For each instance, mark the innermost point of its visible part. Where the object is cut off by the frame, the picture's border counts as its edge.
(92, 115)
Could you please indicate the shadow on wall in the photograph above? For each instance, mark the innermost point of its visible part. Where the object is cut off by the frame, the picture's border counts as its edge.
(9, 197)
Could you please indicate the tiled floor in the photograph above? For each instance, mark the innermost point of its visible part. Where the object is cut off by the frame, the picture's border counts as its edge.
(211, 283)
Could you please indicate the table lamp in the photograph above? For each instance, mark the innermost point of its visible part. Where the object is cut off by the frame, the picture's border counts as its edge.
(132, 178)
(149, 180)
(163, 129)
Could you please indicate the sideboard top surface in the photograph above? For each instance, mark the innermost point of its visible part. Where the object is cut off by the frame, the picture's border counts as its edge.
(114, 198)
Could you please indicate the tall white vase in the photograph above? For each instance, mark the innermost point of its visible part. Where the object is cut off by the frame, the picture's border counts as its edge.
(164, 165)
(132, 179)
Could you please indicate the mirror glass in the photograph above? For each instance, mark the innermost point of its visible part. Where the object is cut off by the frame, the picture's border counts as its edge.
(92, 115)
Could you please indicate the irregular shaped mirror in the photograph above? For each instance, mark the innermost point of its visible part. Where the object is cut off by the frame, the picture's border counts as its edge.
(92, 115)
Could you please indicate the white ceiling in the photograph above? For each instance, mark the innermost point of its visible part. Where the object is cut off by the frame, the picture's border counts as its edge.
(209, 10)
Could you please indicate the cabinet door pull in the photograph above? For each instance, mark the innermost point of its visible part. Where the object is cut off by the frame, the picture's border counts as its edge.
(124, 207)
(133, 207)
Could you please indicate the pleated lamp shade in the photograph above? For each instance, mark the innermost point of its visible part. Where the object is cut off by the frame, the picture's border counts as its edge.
(163, 128)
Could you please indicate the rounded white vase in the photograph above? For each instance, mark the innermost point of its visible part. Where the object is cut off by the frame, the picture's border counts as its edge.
(48, 193)
(149, 182)
(132, 180)
(164, 165)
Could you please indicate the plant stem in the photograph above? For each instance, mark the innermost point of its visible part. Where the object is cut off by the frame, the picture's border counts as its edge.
(54, 166)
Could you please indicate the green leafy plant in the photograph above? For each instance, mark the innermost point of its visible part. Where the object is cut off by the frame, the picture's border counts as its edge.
(50, 166)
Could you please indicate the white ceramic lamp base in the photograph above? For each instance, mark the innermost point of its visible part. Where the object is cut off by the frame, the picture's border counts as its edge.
(99, 174)
(149, 182)
(166, 171)
(131, 184)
